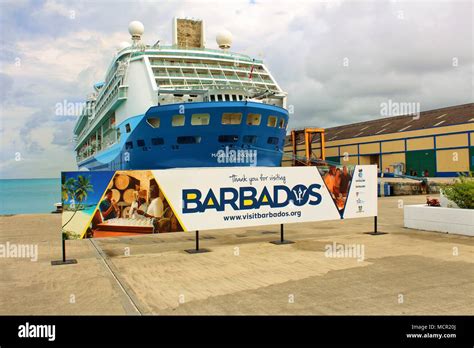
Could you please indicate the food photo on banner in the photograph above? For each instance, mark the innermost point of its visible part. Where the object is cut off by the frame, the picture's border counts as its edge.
(113, 204)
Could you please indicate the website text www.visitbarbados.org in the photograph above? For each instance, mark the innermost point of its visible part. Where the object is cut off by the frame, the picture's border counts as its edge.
(252, 216)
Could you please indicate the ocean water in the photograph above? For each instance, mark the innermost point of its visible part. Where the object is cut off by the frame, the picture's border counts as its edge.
(29, 196)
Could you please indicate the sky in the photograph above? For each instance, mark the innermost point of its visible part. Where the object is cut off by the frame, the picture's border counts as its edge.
(339, 61)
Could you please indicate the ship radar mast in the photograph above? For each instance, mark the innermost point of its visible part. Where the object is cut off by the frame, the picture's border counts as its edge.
(224, 39)
(136, 29)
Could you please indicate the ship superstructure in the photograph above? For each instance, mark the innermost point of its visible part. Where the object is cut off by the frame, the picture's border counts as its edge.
(178, 105)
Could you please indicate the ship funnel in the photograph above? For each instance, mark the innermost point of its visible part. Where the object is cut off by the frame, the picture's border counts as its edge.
(136, 29)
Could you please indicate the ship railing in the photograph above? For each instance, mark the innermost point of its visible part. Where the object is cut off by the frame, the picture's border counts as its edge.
(118, 91)
(110, 89)
(209, 67)
(180, 51)
(235, 76)
(90, 151)
(221, 83)
(115, 93)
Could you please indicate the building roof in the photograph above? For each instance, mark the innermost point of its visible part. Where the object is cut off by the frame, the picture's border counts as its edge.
(448, 116)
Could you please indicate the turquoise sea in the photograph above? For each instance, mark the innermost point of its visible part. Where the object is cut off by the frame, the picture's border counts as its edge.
(29, 196)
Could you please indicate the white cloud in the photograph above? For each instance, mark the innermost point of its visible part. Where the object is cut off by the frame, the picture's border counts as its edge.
(56, 7)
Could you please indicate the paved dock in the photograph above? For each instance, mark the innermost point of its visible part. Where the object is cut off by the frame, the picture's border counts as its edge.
(402, 272)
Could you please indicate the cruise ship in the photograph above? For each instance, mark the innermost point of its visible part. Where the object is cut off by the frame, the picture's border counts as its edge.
(182, 105)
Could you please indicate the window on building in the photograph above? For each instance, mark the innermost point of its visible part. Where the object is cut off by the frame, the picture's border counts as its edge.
(140, 142)
(272, 121)
(200, 119)
(254, 119)
(231, 118)
(282, 122)
(272, 141)
(157, 141)
(153, 122)
(177, 120)
(128, 129)
(228, 138)
(188, 140)
(249, 139)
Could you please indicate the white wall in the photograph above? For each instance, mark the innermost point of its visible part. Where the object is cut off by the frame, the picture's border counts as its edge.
(439, 219)
(141, 94)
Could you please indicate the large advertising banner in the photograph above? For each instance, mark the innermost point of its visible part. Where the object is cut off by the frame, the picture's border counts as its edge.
(237, 197)
(103, 204)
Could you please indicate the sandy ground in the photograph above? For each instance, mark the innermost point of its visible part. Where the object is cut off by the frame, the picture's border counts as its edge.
(403, 272)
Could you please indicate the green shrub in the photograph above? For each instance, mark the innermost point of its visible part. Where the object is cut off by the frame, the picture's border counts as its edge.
(462, 191)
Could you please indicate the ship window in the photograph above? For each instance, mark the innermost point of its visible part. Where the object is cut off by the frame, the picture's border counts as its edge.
(200, 119)
(272, 141)
(128, 145)
(272, 121)
(153, 121)
(241, 97)
(253, 119)
(177, 121)
(250, 139)
(188, 140)
(231, 118)
(219, 97)
(157, 141)
(227, 97)
(128, 128)
(212, 97)
(228, 138)
(140, 142)
(282, 122)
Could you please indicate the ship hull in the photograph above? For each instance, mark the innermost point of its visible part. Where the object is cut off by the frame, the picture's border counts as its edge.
(143, 146)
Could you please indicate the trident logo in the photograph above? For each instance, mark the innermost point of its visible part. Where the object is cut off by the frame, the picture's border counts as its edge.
(299, 194)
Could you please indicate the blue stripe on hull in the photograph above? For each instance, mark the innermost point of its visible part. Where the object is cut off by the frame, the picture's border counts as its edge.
(172, 155)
